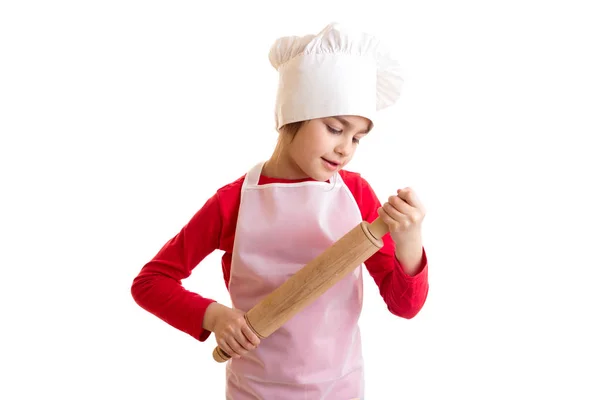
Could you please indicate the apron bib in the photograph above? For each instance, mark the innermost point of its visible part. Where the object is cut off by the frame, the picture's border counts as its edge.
(317, 354)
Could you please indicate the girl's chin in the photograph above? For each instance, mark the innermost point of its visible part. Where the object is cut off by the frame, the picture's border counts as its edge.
(320, 171)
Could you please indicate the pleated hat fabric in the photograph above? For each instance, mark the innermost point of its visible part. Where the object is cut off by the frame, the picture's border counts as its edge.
(339, 71)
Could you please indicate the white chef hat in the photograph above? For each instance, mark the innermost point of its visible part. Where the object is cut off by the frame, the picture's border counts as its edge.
(339, 71)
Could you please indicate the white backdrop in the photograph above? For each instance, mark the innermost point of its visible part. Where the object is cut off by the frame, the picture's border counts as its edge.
(118, 119)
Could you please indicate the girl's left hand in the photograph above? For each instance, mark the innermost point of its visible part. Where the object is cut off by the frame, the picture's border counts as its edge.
(404, 214)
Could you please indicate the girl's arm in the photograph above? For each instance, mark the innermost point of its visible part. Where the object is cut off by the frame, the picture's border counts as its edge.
(158, 289)
(403, 292)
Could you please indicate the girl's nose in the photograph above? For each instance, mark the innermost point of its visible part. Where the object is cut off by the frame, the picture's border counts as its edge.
(344, 147)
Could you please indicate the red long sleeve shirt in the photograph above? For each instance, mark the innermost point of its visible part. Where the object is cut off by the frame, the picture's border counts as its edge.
(158, 289)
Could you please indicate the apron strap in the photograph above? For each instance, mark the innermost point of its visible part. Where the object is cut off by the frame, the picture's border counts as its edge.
(253, 177)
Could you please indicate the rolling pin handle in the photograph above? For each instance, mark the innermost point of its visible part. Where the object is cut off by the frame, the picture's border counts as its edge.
(219, 355)
(378, 228)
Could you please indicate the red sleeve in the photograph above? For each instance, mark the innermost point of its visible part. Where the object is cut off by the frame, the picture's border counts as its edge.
(157, 288)
(403, 294)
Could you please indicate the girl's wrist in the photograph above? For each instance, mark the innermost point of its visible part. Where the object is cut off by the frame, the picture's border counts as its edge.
(409, 255)
(210, 316)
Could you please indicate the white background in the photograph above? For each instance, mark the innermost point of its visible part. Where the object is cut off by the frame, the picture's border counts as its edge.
(118, 119)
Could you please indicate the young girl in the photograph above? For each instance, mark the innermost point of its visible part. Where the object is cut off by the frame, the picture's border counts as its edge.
(284, 212)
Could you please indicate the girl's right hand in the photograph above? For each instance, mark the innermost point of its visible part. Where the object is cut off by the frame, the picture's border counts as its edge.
(231, 330)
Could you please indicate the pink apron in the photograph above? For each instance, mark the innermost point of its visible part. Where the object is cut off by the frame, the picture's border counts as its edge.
(317, 354)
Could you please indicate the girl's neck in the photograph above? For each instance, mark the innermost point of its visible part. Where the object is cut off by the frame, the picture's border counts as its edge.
(281, 166)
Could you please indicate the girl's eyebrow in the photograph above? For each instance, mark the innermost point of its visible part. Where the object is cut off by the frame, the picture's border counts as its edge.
(347, 124)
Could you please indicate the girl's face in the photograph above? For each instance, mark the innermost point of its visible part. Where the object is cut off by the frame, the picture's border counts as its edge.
(325, 145)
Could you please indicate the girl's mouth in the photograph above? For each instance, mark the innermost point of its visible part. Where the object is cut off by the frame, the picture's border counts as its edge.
(330, 164)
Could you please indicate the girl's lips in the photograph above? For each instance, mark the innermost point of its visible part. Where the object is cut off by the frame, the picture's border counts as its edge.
(330, 165)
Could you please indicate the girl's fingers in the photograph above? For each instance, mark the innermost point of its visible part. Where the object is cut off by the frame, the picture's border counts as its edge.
(239, 343)
(410, 197)
(394, 214)
(391, 222)
(250, 335)
(243, 341)
(237, 349)
(226, 348)
(400, 205)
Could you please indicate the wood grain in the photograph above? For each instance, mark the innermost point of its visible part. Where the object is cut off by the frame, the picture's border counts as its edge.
(310, 282)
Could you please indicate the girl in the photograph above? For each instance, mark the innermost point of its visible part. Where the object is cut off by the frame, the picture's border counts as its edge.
(284, 212)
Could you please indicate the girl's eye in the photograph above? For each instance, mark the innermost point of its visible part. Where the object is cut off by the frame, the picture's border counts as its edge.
(333, 130)
(336, 132)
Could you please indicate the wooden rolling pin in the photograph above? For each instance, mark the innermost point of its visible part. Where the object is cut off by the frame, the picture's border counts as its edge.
(310, 282)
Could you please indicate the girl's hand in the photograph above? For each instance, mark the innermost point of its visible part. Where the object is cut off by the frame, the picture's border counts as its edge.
(231, 330)
(404, 215)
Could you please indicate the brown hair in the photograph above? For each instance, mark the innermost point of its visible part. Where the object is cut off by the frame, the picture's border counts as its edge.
(292, 128)
(288, 130)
